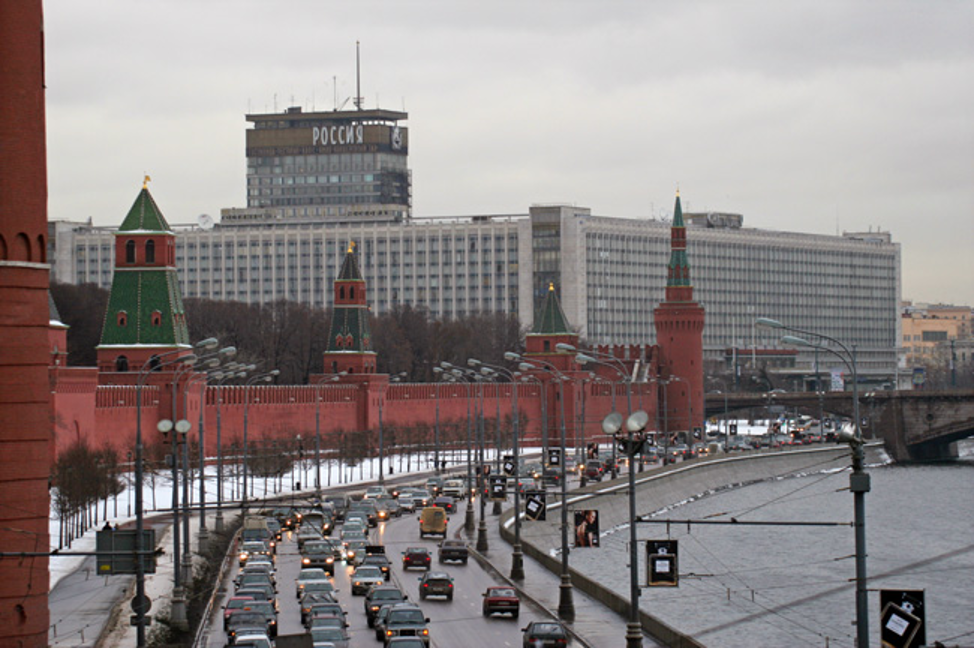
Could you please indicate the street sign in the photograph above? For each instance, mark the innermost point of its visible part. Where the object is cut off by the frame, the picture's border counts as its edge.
(141, 606)
(902, 618)
(534, 505)
(118, 547)
(498, 488)
(554, 456)
(662, 566)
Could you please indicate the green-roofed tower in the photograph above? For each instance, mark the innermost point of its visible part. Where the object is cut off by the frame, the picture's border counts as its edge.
(551, 328)
(145, 314)
(350, 337)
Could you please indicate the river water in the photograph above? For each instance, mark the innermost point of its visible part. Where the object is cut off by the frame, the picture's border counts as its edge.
(792, 586)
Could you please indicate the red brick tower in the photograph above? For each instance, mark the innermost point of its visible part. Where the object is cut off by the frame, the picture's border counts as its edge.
(350, 338)
(679, 333)
(25, 411)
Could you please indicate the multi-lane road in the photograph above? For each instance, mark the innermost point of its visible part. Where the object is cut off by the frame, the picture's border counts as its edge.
(456, 623)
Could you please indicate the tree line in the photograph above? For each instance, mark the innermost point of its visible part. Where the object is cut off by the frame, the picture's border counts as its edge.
(292, 337)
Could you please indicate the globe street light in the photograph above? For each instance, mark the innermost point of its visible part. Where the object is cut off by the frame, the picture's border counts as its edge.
(606, 360)
(859, 482)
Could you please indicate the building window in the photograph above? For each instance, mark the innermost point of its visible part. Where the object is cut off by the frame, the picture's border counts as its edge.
(121, 318)
(130, 252)
(122, 364)
(150, 252)
(156, 318)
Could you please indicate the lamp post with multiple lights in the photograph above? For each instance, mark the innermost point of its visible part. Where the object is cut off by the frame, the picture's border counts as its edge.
(859, 481)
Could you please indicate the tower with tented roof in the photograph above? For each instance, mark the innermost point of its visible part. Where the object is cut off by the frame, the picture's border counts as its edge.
(679, 334)
(350, 337)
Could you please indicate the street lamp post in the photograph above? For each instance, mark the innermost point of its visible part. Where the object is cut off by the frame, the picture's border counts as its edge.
(859, 481)
(436, 431)
(330, 378)
(458, 373)
(566, 604)
(153, 364)
(608, 361)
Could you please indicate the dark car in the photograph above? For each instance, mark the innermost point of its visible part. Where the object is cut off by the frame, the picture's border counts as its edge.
(594, 471)
(452, 550)
(407, 619)
(501, 600)
(319, 554)
(309, 600)
(329, 637)
(416, 556)
(339, 504)
(379, 596)
(267, 609)
(326, 609)
(544, 634)
(379, 560)
(447, 503)
(436, 583)
(240, 621)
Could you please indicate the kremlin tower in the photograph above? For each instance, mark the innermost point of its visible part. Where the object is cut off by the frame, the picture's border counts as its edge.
(679, 335)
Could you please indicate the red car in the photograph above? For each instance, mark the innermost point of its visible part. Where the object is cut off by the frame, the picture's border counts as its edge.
(501, 600)
(416, 556)
(234, 604)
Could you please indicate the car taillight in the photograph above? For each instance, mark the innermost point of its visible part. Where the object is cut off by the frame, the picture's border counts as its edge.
(427, 558)
(425, 585)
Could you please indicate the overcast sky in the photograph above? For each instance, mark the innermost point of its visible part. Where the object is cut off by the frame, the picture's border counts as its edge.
(815, 117)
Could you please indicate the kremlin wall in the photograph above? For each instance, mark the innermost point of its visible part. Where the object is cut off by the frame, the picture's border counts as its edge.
(145, 322)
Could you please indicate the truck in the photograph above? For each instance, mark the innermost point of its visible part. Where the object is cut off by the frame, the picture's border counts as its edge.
(255, 529)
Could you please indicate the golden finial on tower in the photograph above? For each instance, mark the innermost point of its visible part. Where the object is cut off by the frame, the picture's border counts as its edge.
(351, 246)
(551, 286)
(145, 182)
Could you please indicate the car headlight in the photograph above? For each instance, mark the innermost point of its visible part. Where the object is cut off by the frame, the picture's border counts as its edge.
(306, 560)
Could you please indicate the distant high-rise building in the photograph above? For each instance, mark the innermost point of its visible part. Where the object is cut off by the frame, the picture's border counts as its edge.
(337, 166)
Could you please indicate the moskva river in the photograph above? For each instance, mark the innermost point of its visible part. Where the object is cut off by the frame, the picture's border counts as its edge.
(793, 586)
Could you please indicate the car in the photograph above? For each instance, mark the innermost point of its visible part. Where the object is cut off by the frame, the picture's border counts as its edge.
(407, 619)
(306, 535)
(246, 580)
(319, 554)
(544, 634)
(319, 587)
(404, 642)
(249, 622)
(267, 609)
(253, 549)
(452, 550)
(234, 604)
(379, 596)
(501, 600)
(390, 506)
(275, 527)
(406, 502)
(527, 484)
(379, 621)
(454, 488)
(376, 492)
(377, 559)
(364, 577)
(436, 583)
(259, 592)
(416, 556)
(249, 640)
(255, 569)
(304, 576)
(366, 506)
(594, 471)
(326, 609)
(433, 521)
(320, 621)
(339, 505)
(310, 600)
(355, 552)
(434, 484)
(422, 497)
(329, 637)
(447, 503)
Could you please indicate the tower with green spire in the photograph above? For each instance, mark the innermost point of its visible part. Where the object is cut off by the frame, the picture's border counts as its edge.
(145, 315)
(350, 337)
(551, 328)
(679, 335)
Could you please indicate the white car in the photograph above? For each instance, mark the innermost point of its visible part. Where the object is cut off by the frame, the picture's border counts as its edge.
(253, 641)
(376, 492)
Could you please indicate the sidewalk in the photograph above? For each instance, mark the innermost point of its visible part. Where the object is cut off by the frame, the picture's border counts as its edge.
(595, 625)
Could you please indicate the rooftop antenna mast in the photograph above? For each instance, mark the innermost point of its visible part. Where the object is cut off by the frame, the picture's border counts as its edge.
(358, 79)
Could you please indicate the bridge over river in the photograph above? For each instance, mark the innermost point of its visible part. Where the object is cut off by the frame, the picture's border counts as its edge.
(914, 424)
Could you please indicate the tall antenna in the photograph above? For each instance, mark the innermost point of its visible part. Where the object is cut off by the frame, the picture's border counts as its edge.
(358, 79)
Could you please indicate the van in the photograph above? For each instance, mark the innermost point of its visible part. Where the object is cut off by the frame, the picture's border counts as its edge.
(432, 521)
